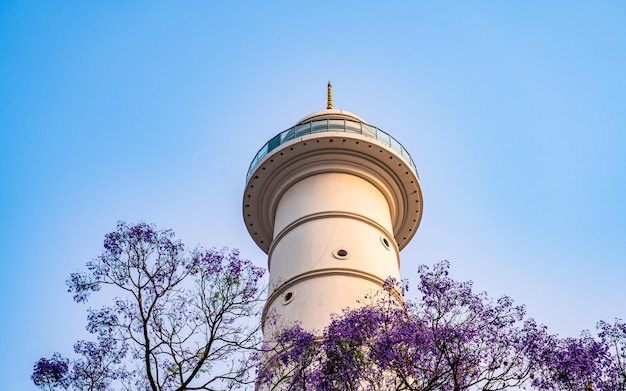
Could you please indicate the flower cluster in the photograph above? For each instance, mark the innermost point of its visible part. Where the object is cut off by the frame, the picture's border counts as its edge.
(177, 317)
(451, 338)
(585, 363)
(51, 372)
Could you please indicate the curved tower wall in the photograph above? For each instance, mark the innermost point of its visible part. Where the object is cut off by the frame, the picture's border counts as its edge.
(317, 220)
(331, 201)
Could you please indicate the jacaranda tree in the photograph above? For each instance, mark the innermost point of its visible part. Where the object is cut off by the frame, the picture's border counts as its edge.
(450, 338)
(586, 363)
(180, 320)
(189, 320)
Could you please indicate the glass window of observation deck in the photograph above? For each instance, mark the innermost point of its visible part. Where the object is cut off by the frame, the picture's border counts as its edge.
(287, 135)
(319, 126)
(368, 131)
(303, 129)
(336, 125)
(353, 127)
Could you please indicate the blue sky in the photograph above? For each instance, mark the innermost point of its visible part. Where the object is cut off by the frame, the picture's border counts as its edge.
(514, 113)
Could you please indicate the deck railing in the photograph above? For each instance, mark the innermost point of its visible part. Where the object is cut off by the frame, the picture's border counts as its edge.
(331, 125)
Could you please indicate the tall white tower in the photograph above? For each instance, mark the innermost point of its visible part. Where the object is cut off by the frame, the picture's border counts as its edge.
(332, 201)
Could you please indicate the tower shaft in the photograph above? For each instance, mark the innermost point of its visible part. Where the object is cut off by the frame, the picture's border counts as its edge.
(332, 201)
(333, 243)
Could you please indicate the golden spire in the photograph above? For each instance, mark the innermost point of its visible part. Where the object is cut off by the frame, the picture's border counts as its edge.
(330, 96)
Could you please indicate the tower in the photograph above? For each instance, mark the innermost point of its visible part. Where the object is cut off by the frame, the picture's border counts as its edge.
(332, 201)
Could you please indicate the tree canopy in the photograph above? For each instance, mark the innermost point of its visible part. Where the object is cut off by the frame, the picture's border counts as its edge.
(190, 320)
(450, 338)
(180, 320)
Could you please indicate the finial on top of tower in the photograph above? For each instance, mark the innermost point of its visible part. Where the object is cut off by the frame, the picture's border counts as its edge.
(330, 96)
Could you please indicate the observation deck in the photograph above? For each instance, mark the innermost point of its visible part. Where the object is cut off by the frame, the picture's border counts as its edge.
(330, 125)
(332, 141)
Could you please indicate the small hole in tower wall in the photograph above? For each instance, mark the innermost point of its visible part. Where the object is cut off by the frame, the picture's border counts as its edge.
(385, 242)
(288, 297)
(341, 254)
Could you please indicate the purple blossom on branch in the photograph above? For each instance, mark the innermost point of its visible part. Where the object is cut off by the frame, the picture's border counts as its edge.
(451, 338)
(179, 320)
(586, 363)
(51, 374)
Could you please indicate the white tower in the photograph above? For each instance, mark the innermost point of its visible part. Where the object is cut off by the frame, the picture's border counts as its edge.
(332, 201)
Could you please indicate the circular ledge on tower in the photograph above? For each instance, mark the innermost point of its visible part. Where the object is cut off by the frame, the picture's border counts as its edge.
(330, 114)
(320, 153)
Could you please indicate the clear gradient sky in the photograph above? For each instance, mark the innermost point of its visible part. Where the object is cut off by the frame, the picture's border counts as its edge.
(514, 113)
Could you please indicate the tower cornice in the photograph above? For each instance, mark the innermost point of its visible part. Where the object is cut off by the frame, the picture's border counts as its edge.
(324, 152)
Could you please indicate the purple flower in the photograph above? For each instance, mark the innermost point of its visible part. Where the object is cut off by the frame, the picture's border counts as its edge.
(175, 315)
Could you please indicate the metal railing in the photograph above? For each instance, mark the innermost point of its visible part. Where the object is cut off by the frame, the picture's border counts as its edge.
(331, 125)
